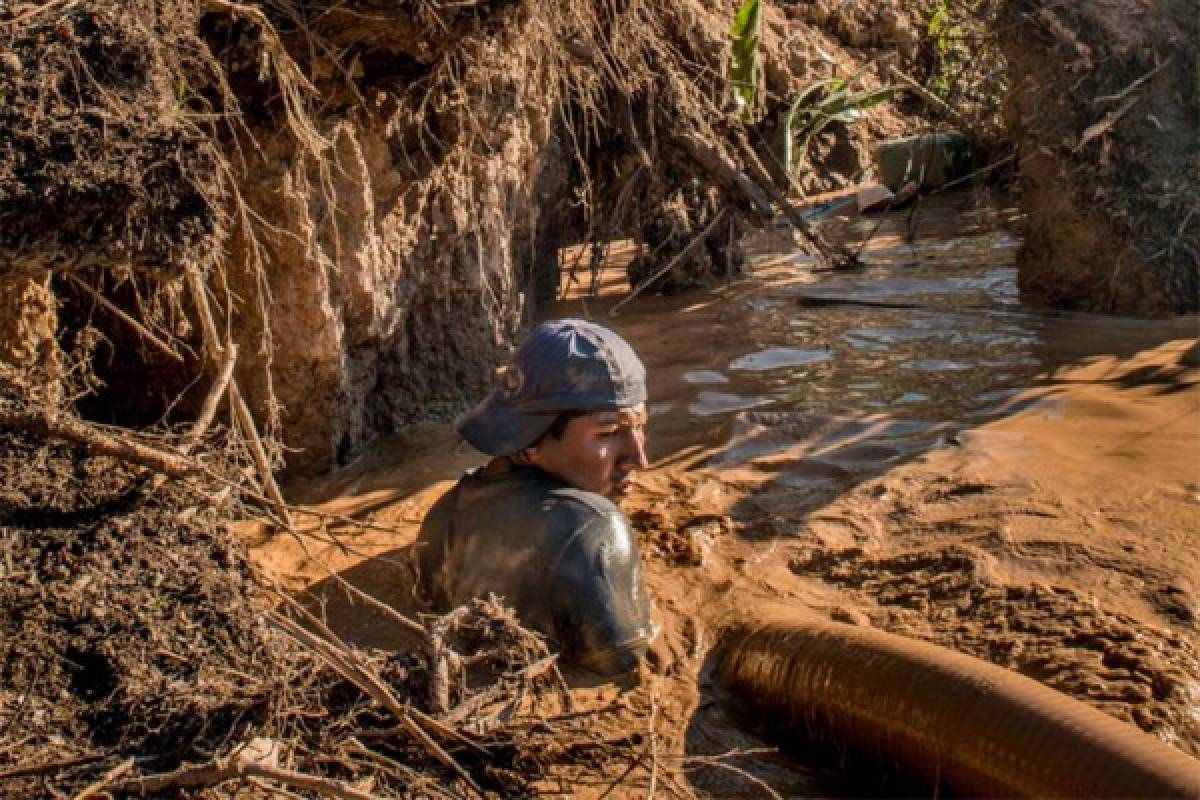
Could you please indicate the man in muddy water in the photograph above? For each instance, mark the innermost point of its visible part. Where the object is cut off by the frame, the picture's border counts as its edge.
(537, 525)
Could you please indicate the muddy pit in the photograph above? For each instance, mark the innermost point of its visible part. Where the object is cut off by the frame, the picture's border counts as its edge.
(905, 447)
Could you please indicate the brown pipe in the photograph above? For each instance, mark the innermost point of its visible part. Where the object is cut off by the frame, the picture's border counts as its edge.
(982, 729)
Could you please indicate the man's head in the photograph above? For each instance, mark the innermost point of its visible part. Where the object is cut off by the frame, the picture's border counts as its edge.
(573, 401)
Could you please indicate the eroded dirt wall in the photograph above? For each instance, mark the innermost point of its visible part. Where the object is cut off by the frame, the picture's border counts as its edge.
(395, 306)
(1105, 109)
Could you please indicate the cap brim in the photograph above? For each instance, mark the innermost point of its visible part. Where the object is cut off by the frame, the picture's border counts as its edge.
(496, 428)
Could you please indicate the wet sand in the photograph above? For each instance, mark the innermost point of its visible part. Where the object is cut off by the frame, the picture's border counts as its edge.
(1043, 520)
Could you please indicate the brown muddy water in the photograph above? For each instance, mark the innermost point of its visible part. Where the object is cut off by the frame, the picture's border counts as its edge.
(930, 334)
(793, 416)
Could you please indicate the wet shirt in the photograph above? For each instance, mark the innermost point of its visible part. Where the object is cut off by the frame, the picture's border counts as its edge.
(564, 559)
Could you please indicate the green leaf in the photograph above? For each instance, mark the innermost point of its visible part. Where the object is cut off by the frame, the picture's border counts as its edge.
(871, 99)
(743, 65)
(817, 105)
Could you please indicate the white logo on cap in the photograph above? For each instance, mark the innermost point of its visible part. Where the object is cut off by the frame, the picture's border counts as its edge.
(509, 380)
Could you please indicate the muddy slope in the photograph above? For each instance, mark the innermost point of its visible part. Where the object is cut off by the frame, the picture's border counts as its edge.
(1105, 108)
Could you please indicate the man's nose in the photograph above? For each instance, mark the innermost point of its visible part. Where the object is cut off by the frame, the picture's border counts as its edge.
(634, 454)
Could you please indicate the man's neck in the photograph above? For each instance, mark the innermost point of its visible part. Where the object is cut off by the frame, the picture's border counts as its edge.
(502, 464)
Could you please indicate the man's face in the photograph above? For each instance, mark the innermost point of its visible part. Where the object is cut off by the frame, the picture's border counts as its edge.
(597, 452)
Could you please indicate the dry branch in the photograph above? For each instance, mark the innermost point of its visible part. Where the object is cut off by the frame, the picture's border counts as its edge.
(48, 766)
(220, 770)
(725, 173)
(104, 780)
(138, 327)
(931, 99)
(365, 679)
(759, 173)
(1105, 123)
(212, 400)
(216, 349)
(66, 428)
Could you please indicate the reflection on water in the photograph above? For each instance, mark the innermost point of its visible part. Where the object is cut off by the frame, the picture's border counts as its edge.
(707, 404)
(777, 358)
(704, 376)
(931, 329)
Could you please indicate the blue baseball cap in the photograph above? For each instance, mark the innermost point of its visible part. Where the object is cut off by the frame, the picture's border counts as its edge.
(564, 365)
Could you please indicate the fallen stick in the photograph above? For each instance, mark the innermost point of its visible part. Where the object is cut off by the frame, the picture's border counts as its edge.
(930, 98)
(140, 329)
(384, 695)
(220, 770)
(1105, 124)
(1121, 95)
(375, 685)
(98, 786)
(265, 473)
(49, 766)
(683, 254)
(71, 429)
(216, 350)
(726, 173)
(208, 411)
(795, 217)
(385, 609)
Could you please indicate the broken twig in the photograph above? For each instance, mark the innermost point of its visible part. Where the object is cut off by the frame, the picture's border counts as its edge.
(208, 410)
(98, 786)
(220, 770)
(930, 98)
(216, 350)
(71, 429)
(1105, 123)
(140, 329)
(49, 766)
(362, 677)
(794, 216)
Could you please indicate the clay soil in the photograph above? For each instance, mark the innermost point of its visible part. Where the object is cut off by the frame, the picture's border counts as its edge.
(1107, 128)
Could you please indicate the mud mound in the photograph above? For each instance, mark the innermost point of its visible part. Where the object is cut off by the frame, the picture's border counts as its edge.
(1106, 111)
(127, 620)
(951, 596)
(102, 161)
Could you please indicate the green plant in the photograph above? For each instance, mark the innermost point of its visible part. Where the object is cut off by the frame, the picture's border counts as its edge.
(942, 33)
(816, 106)
(743, 64)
